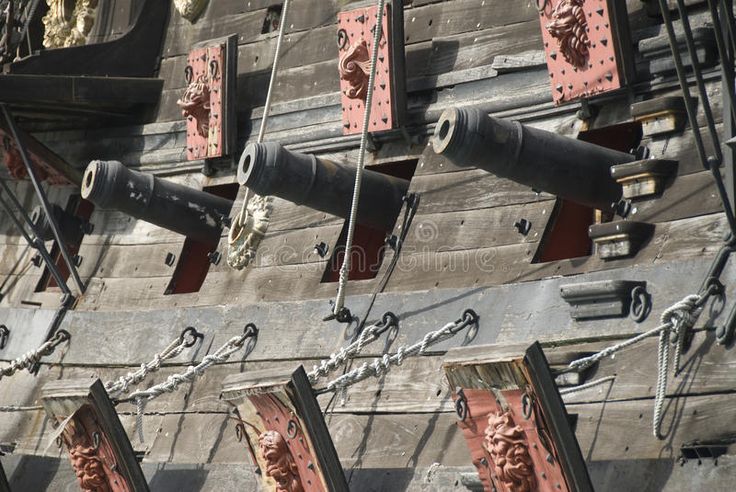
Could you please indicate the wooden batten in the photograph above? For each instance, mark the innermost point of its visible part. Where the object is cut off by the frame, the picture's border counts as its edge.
(4, 486)
(643, 179)
(620, 239)
(660, 116)
(599, 299)
(89, 427)
(514, 421)
(284, 431)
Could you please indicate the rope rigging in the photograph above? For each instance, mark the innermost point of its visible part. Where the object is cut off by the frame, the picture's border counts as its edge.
(252, 221)
(186, 339)
(383, 365)
(30, 359)
(676, 321)
(345, 269)
(172, 383)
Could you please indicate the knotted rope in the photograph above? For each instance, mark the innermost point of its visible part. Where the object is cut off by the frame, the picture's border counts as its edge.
(383, 365)
(30, 359)
(251, 224)
(172, 383)
(173, 350)
(676, 321)
(367, 336)
(345, 269)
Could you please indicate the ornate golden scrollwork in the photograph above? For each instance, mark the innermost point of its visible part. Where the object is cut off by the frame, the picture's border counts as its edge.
(68, 23)
(569, 26)
(280, 464)
(507, 446)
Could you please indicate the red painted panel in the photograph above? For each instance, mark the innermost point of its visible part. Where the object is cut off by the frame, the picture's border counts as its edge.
(509, 450)
(581, 54)
(355, 40)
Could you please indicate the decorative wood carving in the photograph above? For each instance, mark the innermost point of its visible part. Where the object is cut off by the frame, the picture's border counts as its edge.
(508, 448)
(208, 101)
(65, 25)
(98, 447)
(285, 430)
(280, 464)
(355, 66)
(355, 41)
(513, 420)
(190, 9)
(587, 45)
(569, 27)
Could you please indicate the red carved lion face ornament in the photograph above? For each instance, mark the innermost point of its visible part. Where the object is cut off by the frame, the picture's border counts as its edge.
(569, 27)
(195, 103)
(506, 444)
(280, 464)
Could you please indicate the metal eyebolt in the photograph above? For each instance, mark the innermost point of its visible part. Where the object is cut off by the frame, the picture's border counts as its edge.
(541, 5)
(342, 39)
(714, 287)
(194, 335)
(461, 405)
(641, 304)
(470, 317)
(189, 74)
(96, 440)
(61, 336)
(388, 320)
(291, 429)
(239, 431)
(4, 334)
(214, 68)
(527, 406)
(250, 331)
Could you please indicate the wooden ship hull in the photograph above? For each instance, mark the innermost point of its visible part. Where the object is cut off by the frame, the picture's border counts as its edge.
(590, 208)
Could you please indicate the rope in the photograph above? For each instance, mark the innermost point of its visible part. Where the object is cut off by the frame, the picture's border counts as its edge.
(173, 350)
(172, 383)
(676, 321)
(33, 357)
(242, 245)
(582, 387)
(367, 336)
(382, 365)
(12, 408)
(345, 270)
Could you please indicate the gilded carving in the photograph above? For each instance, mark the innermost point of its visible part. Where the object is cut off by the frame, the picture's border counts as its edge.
(195, 103)
(68, 23)
(569, 26)
(88, 466)
(355, 66)
(280, 464)
(190, 9)
(507, 446)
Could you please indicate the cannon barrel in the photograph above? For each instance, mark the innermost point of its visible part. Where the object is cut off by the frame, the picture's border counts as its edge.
(576, 170)
(72, 228)
(193, 213)
(270, 169)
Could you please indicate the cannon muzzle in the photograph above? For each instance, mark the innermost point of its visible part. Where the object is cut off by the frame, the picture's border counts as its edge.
(270, 169)
(576, 170)
(193, 213)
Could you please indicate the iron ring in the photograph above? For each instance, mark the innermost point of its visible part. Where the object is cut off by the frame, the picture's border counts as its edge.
(291, 429)
(342, 39)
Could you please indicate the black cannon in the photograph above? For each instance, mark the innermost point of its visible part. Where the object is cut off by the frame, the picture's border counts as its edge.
(72, 228)
(576, 170)
(193, 213)
(270, 169)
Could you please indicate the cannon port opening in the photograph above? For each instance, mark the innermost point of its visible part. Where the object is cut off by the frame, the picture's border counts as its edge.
(194, 260)
(272, 20)
(369, 245)
(82, 209)
(566, 234)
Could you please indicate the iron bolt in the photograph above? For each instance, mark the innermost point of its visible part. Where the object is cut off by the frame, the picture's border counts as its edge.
(523, 226)
(321, 249)
(170, 259)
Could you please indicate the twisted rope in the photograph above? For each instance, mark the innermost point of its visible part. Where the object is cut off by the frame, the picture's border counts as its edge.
(251, 223)
(171, 351)
(13, 408)
(383, 365)
(30, 359)
(345, 269)
(367, 336)
(582, 387)
(676, 321)
(172, 383)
